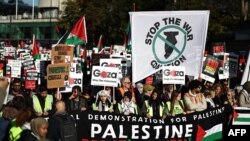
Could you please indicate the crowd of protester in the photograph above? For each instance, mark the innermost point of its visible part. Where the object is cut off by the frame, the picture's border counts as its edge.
(24, 116)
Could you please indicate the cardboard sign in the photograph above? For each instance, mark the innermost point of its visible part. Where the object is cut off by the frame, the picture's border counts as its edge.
(57, 74)
(62, 53)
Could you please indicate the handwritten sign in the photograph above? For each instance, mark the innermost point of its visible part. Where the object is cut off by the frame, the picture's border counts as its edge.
(57, 74)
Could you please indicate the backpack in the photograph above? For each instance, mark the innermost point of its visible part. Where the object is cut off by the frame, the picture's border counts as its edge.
(67, 127)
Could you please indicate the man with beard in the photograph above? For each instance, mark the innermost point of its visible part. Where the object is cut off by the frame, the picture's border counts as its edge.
(42, 102)
(16, 90)
(195, 100)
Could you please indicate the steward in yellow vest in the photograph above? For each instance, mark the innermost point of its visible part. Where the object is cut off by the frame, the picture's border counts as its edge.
(42, 103)
(153, 107)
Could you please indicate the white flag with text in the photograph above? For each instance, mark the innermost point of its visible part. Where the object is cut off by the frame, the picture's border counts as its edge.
(167, 38)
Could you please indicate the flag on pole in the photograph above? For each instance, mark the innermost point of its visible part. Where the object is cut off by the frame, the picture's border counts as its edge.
(99, 45)
(78, 34)
(175, 41)
(111, 50)
(125, 40)
(128, 40)
(35, 50)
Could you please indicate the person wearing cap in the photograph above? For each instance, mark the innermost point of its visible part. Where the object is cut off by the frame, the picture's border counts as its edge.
(148, 89)
(102, 102)
(42, 102)
(244, 96)
(127, 106)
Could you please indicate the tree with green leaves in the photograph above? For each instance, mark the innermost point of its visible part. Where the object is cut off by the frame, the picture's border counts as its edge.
(110, 17)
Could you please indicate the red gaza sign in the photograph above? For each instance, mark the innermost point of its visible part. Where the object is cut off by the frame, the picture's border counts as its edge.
(30, 84)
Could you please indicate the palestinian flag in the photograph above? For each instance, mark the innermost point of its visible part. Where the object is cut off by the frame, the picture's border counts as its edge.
(35, 51)
(241, 116)
(78, 34)
(214, 133)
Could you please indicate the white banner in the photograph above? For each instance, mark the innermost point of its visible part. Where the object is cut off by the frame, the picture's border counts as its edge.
(104, 76)
(75, 78)
(167, 38)
(173, 75)
(15, 68)
(113, 63)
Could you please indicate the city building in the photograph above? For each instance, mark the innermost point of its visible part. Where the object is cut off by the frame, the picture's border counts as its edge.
(21, 21)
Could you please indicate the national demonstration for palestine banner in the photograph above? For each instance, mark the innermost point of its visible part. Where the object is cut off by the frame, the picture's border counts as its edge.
(206, 125)
(169, 38)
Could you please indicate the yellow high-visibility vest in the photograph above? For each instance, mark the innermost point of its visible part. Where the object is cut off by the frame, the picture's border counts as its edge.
(37, 106)
(15, 133)
(177, 108)
(150, 109)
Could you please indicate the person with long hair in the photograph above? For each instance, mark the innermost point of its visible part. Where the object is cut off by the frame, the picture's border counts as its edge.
(175, 106)
(154, 106)
(22, 122)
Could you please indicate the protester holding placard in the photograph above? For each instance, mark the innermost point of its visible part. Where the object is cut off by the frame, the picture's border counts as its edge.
(102, 102)
(125, 86)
